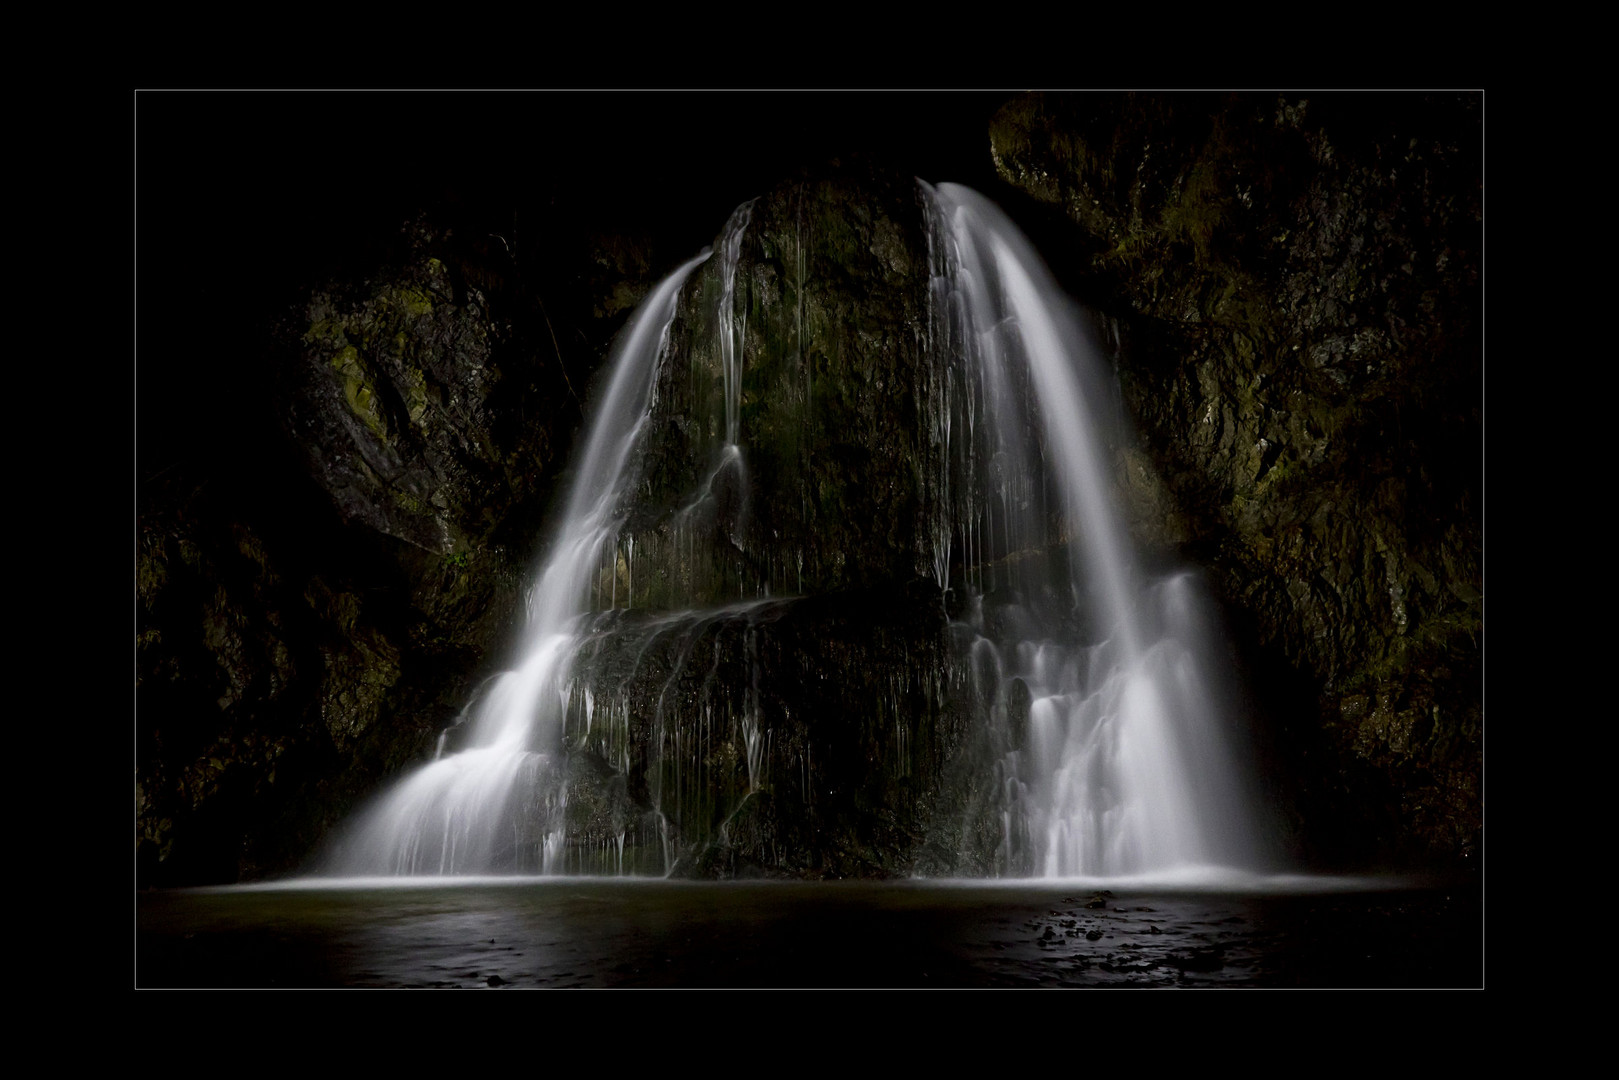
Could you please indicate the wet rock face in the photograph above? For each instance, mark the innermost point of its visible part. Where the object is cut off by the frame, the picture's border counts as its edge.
(799, 738)
(1296, 285)
(785, 455)
(825, 324)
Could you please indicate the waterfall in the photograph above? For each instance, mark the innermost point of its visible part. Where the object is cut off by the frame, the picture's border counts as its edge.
(1118, 759)
(500, 803)
(633, 736)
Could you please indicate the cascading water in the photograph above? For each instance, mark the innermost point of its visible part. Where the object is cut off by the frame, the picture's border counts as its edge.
(499, 805)
(1119, 762)
(666, 719)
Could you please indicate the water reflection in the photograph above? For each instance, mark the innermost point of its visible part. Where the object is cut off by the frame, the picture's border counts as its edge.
(595, 933)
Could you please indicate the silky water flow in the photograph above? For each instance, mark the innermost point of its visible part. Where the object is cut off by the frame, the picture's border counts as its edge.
(499, 804)
(1120, 760)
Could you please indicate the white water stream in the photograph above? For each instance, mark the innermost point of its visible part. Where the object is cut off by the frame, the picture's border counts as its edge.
(1124, 765)
(490, 807)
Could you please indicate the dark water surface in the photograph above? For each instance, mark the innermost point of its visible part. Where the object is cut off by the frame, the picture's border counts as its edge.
(617, 933)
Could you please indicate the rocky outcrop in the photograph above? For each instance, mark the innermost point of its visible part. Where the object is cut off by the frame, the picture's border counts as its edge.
(811, 737)
(259, 679)
(1296, 286)
(726, 733)
(310, 618)
(827, 303)
(407, 401)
